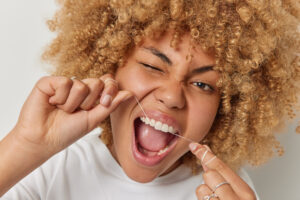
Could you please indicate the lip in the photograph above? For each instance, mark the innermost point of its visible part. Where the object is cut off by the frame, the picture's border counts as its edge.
(153, 160)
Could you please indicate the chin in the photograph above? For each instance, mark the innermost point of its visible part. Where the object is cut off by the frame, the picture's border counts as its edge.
(141, 177)
(142, 174)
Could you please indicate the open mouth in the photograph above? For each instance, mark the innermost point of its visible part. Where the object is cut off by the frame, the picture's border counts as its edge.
(153, 140)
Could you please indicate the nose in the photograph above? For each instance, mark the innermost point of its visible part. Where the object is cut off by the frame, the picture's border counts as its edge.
(171, 94)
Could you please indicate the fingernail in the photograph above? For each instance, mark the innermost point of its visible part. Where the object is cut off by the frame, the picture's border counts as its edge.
(193, 146)
(105, 101)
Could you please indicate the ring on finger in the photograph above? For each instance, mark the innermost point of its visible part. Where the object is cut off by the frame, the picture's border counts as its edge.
(220, 184)
(208, 197)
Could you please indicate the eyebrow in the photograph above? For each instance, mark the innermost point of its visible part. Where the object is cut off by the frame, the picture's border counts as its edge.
(159, 54)
(165, 59)
(202, 69)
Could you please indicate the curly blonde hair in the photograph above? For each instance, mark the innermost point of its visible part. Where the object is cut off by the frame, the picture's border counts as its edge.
(256, 45)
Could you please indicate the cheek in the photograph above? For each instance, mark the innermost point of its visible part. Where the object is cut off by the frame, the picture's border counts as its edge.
(121, 129)
(201, 117)
(133, 79)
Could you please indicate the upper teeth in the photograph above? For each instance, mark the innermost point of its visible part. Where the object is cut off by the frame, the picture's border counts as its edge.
(158, 125)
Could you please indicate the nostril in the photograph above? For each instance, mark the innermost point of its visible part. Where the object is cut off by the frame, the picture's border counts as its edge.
(171, 95)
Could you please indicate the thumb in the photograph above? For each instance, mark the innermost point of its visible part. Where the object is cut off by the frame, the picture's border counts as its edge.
(100, 112)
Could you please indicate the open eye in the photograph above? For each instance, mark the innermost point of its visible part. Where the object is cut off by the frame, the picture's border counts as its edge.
(151, 67)
(204, 86)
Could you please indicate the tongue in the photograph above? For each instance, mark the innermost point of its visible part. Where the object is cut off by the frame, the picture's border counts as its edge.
(151, 139)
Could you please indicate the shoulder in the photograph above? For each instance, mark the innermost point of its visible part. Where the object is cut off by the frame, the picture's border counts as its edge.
(59, 170)
(80, 155)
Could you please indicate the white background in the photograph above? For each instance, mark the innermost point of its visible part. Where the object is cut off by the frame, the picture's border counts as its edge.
(23, 35)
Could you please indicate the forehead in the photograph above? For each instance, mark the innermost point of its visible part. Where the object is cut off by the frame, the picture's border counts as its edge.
(183, 50)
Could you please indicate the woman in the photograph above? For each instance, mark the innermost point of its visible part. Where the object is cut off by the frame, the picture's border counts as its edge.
(218, 82)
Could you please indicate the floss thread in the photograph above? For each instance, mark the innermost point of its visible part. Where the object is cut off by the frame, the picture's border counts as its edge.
(185, 138)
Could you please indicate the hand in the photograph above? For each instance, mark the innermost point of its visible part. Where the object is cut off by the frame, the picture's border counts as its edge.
(220, 182)
(59, 111)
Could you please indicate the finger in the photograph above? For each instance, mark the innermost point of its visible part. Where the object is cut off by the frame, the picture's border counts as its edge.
(210, 161)
(100, 112)
(56, 88)
(224, 191)
(95, 86)
(78, 93)
(203, 192)
(110, 90)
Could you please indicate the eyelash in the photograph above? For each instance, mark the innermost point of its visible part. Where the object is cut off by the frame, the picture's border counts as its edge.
(200, 85)
(151, 67)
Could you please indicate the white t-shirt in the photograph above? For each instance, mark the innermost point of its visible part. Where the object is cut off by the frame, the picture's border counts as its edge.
(87, 171)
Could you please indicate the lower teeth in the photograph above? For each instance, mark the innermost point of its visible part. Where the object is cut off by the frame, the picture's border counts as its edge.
(163, 150)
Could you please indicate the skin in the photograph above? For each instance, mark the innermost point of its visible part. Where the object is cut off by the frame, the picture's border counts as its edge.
(216, 172)
(169, 89)
(60, 111)
(57, 112)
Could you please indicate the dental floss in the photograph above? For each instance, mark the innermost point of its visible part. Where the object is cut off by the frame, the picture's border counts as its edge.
(202, 159)
(210, 160)
(169, 132)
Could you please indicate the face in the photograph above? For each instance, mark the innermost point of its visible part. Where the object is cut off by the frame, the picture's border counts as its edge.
(178, 95)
